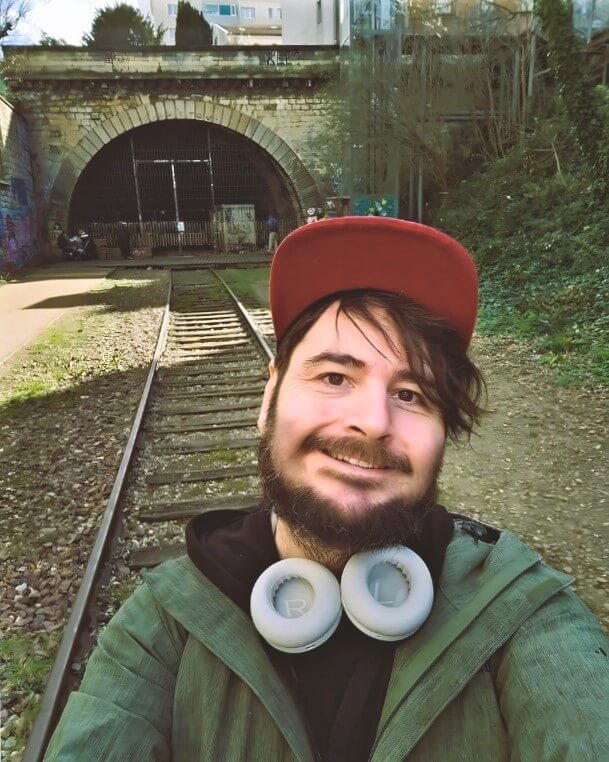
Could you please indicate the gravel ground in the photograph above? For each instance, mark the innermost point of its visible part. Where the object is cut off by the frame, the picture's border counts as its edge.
(66, 407)
(538, 468)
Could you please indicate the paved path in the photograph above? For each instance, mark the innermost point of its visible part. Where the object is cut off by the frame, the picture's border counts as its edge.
(37, 300)
(32, 304)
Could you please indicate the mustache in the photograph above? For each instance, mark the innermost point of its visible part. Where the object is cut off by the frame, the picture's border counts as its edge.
(376, 455)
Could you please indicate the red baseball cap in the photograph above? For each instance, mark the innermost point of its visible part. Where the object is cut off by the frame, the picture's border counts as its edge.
(380, 253)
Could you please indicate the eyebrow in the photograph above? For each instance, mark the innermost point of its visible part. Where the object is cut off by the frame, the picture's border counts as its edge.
(349, 361)
(336, 357)
(405, 374)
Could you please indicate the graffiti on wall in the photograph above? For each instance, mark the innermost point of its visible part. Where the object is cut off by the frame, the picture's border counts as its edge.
(17, 227)
(375, 206)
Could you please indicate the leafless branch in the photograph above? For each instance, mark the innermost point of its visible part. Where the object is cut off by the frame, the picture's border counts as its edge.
(558, 162)
(11, 13)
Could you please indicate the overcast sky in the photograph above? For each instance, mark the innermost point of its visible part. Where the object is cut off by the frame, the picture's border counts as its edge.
(63, 19)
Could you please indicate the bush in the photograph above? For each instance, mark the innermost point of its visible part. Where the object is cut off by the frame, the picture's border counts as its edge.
(539, 232)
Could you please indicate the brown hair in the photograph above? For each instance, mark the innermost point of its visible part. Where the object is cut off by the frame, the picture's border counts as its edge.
(455, 385)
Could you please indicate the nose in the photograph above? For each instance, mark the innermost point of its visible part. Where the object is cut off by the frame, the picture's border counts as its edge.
(369, 413)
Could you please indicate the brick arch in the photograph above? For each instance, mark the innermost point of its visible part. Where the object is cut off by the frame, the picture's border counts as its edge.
(302, 183)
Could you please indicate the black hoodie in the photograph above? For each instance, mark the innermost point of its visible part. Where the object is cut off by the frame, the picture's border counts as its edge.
(340, 687)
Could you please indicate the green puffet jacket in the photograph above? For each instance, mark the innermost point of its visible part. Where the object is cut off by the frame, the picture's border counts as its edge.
(510, 665)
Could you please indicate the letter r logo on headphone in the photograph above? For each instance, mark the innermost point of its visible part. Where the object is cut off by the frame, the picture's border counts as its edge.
(296, 604)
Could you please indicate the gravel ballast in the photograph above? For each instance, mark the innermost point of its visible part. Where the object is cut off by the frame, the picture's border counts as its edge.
(66, 408)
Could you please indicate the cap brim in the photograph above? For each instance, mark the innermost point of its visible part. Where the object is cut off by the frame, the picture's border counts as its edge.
(380, 253)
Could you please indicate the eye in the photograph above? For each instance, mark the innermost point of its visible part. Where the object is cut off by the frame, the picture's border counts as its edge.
(334, 379)
(409, 397)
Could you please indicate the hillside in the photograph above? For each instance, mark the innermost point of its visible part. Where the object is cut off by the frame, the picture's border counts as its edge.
(539, 231)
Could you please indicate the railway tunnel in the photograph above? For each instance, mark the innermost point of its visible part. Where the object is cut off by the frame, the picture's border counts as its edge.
(183, 184)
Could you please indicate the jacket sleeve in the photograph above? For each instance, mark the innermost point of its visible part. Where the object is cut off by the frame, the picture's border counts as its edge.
(123, 710)
(552, 680)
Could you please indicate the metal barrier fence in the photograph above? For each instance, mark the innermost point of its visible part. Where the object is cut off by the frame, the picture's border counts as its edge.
(196, 235)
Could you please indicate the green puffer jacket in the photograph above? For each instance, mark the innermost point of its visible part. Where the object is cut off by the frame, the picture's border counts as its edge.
(509, 666)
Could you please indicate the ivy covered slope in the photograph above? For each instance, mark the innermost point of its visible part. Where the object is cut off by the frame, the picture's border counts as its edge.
(538, 228)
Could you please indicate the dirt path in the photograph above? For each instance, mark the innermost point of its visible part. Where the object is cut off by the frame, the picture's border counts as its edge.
(539, 467)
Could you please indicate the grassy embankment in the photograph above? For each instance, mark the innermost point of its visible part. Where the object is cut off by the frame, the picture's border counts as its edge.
(540, 235)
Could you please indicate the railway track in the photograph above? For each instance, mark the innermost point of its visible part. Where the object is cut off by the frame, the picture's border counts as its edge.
(192, 448)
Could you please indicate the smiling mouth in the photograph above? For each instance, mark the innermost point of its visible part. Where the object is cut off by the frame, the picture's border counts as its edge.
(356, 462)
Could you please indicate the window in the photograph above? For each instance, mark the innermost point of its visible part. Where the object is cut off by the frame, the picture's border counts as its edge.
(172, 9)
(170, 36)
(219, 9)
(443, 7)
(247, 12)
(274, 13)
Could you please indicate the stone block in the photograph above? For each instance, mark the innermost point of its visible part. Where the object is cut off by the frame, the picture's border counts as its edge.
(110, 129)
(260, 132)
(142, 115)
(234, 119)
(218, 115)
(102, 134)
(124, 121)
(117, 124)
(159, 107)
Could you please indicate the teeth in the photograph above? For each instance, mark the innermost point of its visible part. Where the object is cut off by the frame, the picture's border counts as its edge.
(354, 462)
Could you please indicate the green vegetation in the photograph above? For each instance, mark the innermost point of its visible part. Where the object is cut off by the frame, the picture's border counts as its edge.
(539, 231)
(61, 360)
(118, 591)
(51, 42)
(27, 660)
(122, 26)
(192, 30)
(584, 104)
(250, 283)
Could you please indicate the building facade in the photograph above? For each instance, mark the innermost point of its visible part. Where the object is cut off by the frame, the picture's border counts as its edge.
(311, 22)
(251, 22)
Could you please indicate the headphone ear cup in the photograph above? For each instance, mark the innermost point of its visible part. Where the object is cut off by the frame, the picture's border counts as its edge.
(387, 594)
(295, 605)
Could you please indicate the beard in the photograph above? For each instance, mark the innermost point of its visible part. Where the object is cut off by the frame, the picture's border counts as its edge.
(318, 525)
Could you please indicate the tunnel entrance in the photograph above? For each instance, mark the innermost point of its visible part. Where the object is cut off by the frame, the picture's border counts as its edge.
(183, 185)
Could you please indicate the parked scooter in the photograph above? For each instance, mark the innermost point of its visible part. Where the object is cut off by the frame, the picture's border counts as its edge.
(76, 247)
(88, 245)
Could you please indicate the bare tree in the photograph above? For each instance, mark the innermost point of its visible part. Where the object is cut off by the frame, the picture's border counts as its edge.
(11, 13)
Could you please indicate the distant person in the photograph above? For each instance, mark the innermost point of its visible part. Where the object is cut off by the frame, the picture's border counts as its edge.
(312, 215)
(124, 239)
(272, 225)
(63, 242)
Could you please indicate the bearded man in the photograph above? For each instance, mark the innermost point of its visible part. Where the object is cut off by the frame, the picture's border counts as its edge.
(445, 639)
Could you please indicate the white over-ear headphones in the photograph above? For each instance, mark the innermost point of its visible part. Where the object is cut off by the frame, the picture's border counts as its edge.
(387, 594)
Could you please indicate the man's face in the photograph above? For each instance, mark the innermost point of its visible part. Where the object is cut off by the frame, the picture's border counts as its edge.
(348, 435)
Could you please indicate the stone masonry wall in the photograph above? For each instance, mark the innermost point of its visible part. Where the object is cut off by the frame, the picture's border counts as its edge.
(69, 120)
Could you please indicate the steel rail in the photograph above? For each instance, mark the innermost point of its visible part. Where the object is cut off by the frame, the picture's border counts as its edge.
(262, 342)
(51, 699)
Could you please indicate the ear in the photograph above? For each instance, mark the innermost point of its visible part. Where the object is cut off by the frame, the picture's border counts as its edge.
(266, 397)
